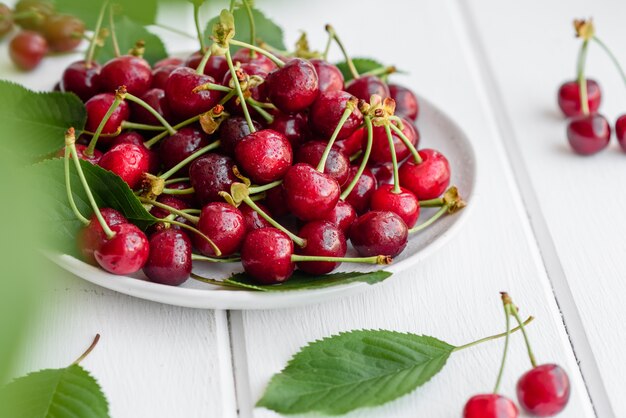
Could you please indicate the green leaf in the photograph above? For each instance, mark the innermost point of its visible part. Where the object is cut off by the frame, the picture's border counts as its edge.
(142, 11)
(354, 370)
(40, 119)
(128, 33)
(362, 65)
(301, 281)
(109, 190)
(266, 29)
(67, 392)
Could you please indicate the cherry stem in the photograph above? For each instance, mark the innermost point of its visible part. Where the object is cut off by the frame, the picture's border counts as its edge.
(212, 86)
(300, 242)
(264, 113)
(116, 46)
(507, 310)
(228, 96)
(430, 221)
(197, 257)
(153, 112)
(611, 56)
(344, 117)
(246, 4)
(377, 259)
(333, 34)
(140, 126)
(407, 143)
(189, 190)
(68, 187)
(260, 50)
(192, 211)
(327, 48)
(366, 157)
(195, 231)
(176, 180)
(92, 43)
(381, 71)
(203, 62)
(232, 6)
(531, 356)
(196, 19)
(264, 187)
(190, 218)
(150, 143)
(242, 99)
(94, 140)
(189, 159)
(582, 83)
(492, 337)
(89, 350)
(256, 105)
(394, 160)
(432, 203)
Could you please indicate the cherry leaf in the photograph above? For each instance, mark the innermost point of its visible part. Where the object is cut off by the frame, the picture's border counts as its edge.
(301, 281)
(144, 11)
(362, 65)
(353, 370)
(128, 33)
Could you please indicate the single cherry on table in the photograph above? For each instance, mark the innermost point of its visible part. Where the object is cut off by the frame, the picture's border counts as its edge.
(588, 134)
(490, 405)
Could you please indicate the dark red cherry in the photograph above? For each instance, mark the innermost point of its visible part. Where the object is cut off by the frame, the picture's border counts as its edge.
(293, 87)
(620, 131)
(354, 143)
(157, 100)
(588, 134)
(210, 175)
(97, 107)
(544, 390)
(63, 32)
(181, 145)
(129, 161)
(130, 71)
(81, 80)
(161, 74)
(569, 97)
(276, 201)
(310, 195)
(361, 195)
(490, 405)
(383, 172)
(244, 57)
(406, 101)
(326, 112)
(342, 215)
(328, 75)
(322, 239)
(215, 67)
(168, 200)
(131, 137)
(91, 237)
(403, 204)
(169, 261)
(294, 126)
(27, 49)
(252, 218)
(380, 143)
(337, 164)
(124, 253)
(430, 178)
(224, 224)
(183, 102)
(266, 256)
(80, 150)
(364, 87)
(232, 130)
(264, 155)
(379, 233)
(168, 61)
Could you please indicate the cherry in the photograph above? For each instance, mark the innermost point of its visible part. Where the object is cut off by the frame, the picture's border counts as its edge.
(364, 87)
(174, 149)
(224, 225)
(231, 131)
(97, 107)
(354, 143)
(569, 97)
(379, 232)
(383, 172)
(168, 61)
(337, 164)
(170, 258)
(428, 179)
(406, 101)
(264, 155)
(380, 143)
(326, 112)
(63, 32)
(161, 74)
(189, 198)
(328, 75)
(80, 150)
(588, 134)
(252, 218)
(293, 87)
(361, 195)
(32, 14)
(544, 390)
(131, 137)
(620, 131)
(182, 99)
(80, 79)
(258, 93)
(168, 200)
(276, 201)
(91, 237)
(27, 49)
(403, 204)
(294, 126)
(157, 100)
(130, 71)
(211, 174)
(129, 161)
(322, 239)
(310, 194)
(126, 252)
(490, 405)
(342, 215)
(216, 66)
(244, 57)
(266, 255)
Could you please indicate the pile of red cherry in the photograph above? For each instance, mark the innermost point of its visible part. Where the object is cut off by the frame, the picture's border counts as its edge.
(588, 132)
(43, 31)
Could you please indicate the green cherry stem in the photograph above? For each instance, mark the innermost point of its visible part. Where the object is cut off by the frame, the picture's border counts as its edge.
(212, 86)
(192, 229)
(268, 54)
(381, 71)
(300, 242)
(506, 303)
(377, 259)
(170, 209)
(242, 99)
(189, 159)
(176, 180)
(407, 143)
(432, 203)
(89, 350)
(366, 157)
(231, 8)
(116, 46)
(430, 221)
(350, 106)
(196, 20)
(264, 187)
(246, 4)
(492, 337)
(189, 190)
(197, 257)
(92, 43)
(333, 35)
(582, 83)
(611, 56)
(515, 314)
(192, 211)
(68, 187)
(394, 160)
(120, 94)
(203, 62)
(152, 141)
(153, 112)
(140, 126)
(264, 113)
(327, 48)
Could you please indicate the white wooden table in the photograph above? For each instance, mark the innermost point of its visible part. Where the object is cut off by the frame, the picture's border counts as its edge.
(547, 226)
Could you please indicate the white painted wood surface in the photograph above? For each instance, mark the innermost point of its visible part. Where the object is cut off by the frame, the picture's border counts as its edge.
(545, 227)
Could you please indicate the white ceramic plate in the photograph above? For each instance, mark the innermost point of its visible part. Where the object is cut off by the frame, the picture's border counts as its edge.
(437, 131)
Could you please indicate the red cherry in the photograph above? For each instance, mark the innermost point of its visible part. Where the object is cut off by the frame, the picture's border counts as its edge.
(183, 102)
(322, 239)
(364, 87)
(97, 107)
(354, 143)
(544, 390)
(129, 161)
(189, 198)
(168, 61)
(130, 71)
(490, 406)
(81, 80)
(216, 66)
(569, 97)
(310, 194)
(403, 204)
(63, 32)
(224, 225)
(620, 131)
(233, 130)
(328, 75)
(210, 175)
(361, 195)
(258, 93)
(293, 87)
(27, 49)
(588, 134)
(276, 201)
(157, 100)
(383, 172)
(380, 143)
(264, 155)
(91, 237)
(174, 149)
(80, 150)
(326, 112)
(343, 215)
(430, 178)
(337, 164)
(294, 126)
(406, 101)
(266, 255)
(131, 137)
(124, 253)
(169, 261)
(244, 57)
(379, 233)
(252, 218)
(161, 74)
(168, 200)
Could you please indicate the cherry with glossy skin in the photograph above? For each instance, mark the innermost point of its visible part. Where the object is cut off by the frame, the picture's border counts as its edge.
(342, 215)
(233, 130)
(428, 179)
(276, 201)
(157, 100)
(129, 161)
(490, 405)
(130, 71)
(80, 151)
(326, 111)
(181, 145)
(132, 137)
(379, 232)
(403, 204)
(224, 225)
(27, 49)
(168, 61)
(6, 20)
(364, 87)
(264, 155)
(294, 87)
(211, 174)
(216, 66)
(171, 201)
(310, 195)
(406, 101)
(244, 57)
(169, 261)
(124, 253)
(252, 218)
(97, 107)
(322, 239)
(328, 75)
(337, 164)
(63, 32)
(294, 126)
(91, 236)
(383, 172)
(80, 79)
(380, 143)
(352, 144)
(544, 390)
(620, 131)
(266, 256)
(361, 195)
(569, 97)
(161, 74)
(182, 100)
(588, 134)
